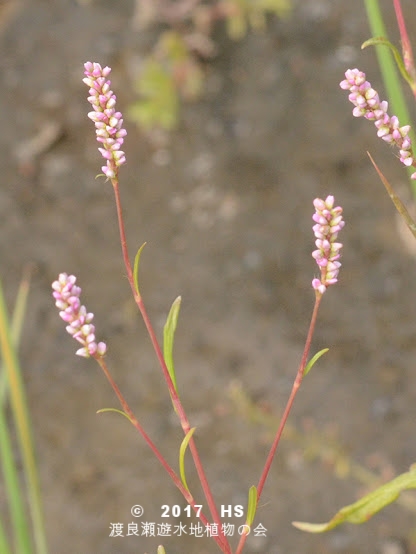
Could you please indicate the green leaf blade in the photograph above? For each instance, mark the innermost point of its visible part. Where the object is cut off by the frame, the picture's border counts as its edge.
(136, 268)
(117, 411)
(377, 41)
(367, 506)
(313, 360)
(251, 505)
(17, 395)
(182, 452)
(168, 338)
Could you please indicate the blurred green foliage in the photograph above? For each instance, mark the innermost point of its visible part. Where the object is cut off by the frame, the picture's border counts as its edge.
(244, 14)
(173, 71)
(169, 73)
(22, 529)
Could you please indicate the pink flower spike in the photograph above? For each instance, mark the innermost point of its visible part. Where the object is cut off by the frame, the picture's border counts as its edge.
(368, 105)
(108, 122)
(329, 223)
(67, 299)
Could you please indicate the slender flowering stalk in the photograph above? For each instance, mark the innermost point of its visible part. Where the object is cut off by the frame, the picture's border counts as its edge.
(328, 224)
(67, 299)
(108, 122)
(367, 104)
(110, 133)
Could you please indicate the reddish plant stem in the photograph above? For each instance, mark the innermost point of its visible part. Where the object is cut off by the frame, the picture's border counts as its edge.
(289, 404)
(126, 408)
(224, 545)
(185, 426)
(406, 45)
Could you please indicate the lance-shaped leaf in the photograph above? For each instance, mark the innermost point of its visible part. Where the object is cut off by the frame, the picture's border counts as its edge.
(362, 510)
(136, 268)
(168, 338)
(103, 410)
(375, 41)
(313, 360)
(182, 452)
(251, 505)
(400, 207)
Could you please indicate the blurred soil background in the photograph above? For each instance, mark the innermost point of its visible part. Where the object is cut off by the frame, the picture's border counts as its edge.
(225, 208)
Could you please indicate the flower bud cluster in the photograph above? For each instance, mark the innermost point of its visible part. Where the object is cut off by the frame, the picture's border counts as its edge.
(108, 122)
(367, 104)
(67, 299)
(328, 224)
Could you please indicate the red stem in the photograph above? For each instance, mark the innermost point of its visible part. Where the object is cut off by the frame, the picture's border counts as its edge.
(126, 408)
(289, 404)
(223, 542)
(406, 45)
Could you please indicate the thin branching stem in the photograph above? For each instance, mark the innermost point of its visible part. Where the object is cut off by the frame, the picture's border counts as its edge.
(175, 398)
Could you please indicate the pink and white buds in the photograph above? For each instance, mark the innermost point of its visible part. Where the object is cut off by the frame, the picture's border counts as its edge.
(67, 299)
(328, 223)
(108, 122)
(368, 105)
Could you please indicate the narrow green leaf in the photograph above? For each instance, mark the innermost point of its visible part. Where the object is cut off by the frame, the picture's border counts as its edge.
(362, 510)
(401, 208)
(136, 268)
(161, 550)
(16, 507)
(22, 421)
(4, 545)
(19, 311)
(103, 410)
(168, 338)
(251, 505)
(376, 41)
(313, 360)
(16, 325)
(182, 452)
(15, 503)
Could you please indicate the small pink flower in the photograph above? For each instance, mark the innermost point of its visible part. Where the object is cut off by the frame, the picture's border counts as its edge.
(108, 122)
(328, 224)
(67, 299)
(367, 104)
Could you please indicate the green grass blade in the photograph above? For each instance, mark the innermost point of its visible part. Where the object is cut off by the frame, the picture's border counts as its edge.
(16, 325)
(4, 545)
(18, 519)
(19, 522)
(19, 311)
(22, 422)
